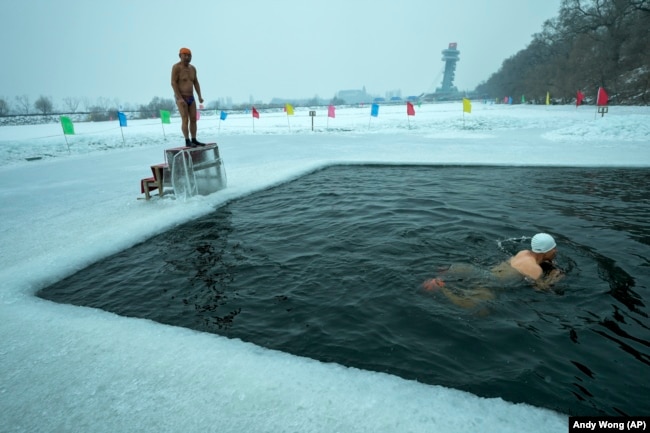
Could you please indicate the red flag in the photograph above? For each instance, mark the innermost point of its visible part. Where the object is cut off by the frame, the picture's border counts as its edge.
(331, 111)
(602, 97)
(410, 110)
(255, 113)
(579, 98)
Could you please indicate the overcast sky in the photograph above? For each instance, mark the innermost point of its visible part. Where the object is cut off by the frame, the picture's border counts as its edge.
(124, 49)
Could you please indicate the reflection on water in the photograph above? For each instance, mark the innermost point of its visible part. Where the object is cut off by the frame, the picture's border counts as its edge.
(330, 266)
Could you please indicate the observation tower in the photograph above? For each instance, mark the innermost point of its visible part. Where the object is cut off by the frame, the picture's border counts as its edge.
(450, 56)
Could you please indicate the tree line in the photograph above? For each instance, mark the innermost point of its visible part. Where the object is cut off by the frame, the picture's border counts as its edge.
(102, 109)
(591, 43)
(105, 109)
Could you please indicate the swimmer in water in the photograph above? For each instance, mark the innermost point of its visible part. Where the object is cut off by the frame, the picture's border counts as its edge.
(531, 265)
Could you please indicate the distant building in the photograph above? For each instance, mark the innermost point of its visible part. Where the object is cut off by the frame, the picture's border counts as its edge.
(354, 96)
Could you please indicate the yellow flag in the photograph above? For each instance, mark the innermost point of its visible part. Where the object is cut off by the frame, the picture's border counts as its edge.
(289, 109)
(467, 105)
(548, 98)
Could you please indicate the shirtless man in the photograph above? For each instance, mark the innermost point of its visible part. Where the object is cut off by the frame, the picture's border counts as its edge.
(184, 81)
(526, 264)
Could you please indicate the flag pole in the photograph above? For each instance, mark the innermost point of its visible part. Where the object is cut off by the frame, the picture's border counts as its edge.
(66, 142)
(121, 118)
(463, 113)
(65, 136)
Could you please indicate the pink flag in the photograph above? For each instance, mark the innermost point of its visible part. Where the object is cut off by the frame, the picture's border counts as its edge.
(255, 113)
(410, 110)
(198, 114)
(602, 97)
(579, 98)
(331, 111)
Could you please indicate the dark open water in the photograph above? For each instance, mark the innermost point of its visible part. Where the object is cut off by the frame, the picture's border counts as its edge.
(330, 267)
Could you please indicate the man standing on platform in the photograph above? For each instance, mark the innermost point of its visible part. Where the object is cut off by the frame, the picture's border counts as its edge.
(184, 81)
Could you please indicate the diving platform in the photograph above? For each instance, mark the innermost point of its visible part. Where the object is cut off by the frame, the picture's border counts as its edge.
(186, 172)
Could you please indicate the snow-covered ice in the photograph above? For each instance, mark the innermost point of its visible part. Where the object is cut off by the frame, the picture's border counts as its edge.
(68, 368)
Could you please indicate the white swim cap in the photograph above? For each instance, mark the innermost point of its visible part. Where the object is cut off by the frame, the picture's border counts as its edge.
(542, 243)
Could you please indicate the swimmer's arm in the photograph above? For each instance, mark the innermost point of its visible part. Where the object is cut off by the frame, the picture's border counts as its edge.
(548, 281)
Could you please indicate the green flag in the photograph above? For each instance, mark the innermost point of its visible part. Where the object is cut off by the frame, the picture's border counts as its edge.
(68, 127)
(165, 116)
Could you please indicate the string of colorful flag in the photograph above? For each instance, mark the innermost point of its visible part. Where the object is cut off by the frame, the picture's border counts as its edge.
(67, 125)
(165, 116)
(602, 99)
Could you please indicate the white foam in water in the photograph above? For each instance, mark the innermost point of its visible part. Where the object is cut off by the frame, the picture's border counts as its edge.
(67, 368)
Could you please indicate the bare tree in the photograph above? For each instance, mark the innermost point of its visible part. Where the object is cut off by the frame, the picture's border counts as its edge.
(591, 43)
(87, 103)
(71, 104)
(43, 104)
(4, 107)
(103, 103)
(103, 110)
(618, 30)
(642, 5)
(23, 104)
(157, 104)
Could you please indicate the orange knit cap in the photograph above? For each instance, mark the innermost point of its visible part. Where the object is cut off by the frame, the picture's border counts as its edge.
(185, 51)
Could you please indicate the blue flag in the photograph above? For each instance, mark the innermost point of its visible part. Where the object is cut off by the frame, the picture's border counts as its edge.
(122, 117)
(223, 115)
(374, 111)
